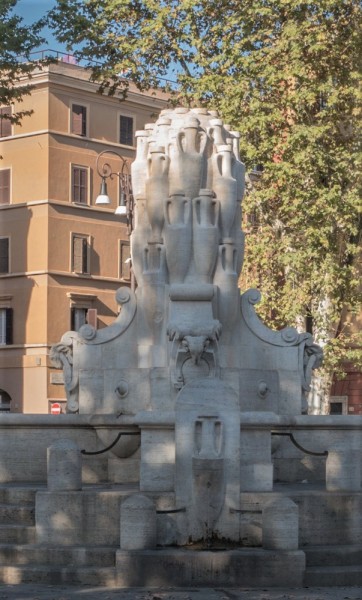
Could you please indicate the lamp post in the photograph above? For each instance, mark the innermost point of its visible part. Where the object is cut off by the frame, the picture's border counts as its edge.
(105, 171)
(126, 204)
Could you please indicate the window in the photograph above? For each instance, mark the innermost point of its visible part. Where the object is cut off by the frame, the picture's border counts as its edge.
(338, 405)
(79, 119)
(80, 254)
(6, 326)
(78, 318)
(4, 186)
(5, 402)
(5, 123)
(81, 310)
(124, 260)
(79, 184)
(126, 130)
(336, 408)
(4, 255)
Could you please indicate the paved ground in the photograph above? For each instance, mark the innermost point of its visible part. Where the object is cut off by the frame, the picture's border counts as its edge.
(50, 592)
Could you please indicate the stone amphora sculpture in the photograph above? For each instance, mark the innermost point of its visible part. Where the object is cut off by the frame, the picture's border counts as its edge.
(205, 234)
(177, 236)
(157, 190)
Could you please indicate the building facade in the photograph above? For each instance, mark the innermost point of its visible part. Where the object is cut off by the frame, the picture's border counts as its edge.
(62, 257)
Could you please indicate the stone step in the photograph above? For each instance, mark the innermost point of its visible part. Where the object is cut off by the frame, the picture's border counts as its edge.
(328, 556)
(15, 514)
(95, 576)
(17, 534)
(184, 567)
(97, 556)
(10, 494)
(333, 576)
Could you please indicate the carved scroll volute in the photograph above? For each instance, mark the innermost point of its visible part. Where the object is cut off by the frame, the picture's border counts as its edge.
(139, 166)
(157, 190)
(187, 159)
(206, 234)
(61, 356)
(224, 186)
(177, 236)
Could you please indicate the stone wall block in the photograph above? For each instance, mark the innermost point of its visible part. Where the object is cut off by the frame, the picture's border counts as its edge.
(64, 466)
(157, 469)
(343, 469)
(257, 477)
(138, 523)
(280, 525)
(59, 518)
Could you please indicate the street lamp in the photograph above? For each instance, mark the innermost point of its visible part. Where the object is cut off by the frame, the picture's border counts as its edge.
(255, 175)
(125, 206)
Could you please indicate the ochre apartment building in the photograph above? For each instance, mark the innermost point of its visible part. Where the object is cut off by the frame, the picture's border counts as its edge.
(60, 253)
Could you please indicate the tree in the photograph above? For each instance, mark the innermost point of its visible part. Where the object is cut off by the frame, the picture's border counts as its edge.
(285, 74)
(17, 41)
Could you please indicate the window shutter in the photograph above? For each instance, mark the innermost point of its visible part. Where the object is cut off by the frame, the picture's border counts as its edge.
(126, 131)
(79, 185)
(9, 326)
(84, 256)
(79, 119)
(2, 326)
(5, 186)
(80, 254)
(92, 317)
(5, 123)
(83, 186)
(75, 184)
(77, 254)
(4, 255)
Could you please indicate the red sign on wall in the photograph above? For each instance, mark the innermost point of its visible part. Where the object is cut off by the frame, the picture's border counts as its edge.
(55, 408)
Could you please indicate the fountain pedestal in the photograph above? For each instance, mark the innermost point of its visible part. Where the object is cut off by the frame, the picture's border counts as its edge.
(187, 360)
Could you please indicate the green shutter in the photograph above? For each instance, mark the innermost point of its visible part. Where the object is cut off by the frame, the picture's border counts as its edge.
(5, 123)
(4, 186)
(9, 326)
(4, 255)
(126, 131)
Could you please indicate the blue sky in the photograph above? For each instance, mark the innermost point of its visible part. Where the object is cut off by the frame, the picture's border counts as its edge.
(32, 10)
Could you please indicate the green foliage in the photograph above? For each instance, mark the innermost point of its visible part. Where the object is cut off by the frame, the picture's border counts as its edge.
(17, 41)
(285, 74)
